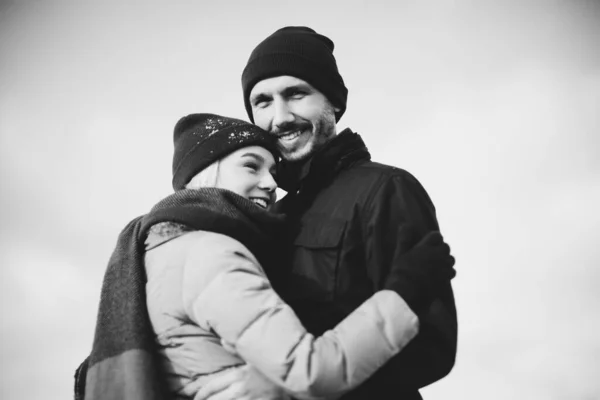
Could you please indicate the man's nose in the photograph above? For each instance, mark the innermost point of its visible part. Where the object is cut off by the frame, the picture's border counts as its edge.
(282, 115)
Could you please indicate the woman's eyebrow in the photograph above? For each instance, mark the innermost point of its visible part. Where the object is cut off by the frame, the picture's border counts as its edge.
(257, 157)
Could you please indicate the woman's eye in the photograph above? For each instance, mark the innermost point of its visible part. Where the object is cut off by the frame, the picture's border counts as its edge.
(251, 166)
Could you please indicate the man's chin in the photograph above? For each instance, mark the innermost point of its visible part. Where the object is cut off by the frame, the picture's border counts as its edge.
(290, 153)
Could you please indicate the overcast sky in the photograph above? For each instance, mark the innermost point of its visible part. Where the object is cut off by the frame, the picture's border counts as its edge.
(494, 108)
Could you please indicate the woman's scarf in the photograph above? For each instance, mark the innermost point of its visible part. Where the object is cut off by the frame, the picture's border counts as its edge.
(122, 363)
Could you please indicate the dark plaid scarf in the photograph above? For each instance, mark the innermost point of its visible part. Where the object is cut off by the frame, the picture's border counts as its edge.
(122, 362)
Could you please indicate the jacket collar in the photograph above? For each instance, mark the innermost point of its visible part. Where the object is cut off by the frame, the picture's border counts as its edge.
(163, 232)
(341, 152)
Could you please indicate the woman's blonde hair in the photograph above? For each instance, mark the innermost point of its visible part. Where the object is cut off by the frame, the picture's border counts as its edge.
(208, 177)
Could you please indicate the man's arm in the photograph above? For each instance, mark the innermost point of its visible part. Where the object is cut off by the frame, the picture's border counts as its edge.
(398, 215)
(232, 297)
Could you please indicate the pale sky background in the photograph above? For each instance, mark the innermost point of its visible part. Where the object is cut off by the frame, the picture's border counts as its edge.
(493, 106)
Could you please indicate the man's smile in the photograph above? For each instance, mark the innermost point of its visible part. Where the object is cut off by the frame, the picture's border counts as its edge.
(289, 136)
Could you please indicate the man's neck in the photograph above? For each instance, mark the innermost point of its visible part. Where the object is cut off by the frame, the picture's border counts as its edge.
(294, 173)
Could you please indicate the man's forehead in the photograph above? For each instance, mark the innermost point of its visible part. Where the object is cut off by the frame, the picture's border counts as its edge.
(277, 84)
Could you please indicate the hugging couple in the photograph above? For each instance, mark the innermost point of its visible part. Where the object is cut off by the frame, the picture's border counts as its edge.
(341, 289)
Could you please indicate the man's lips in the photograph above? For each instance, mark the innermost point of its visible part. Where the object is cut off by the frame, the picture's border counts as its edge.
(291, 134)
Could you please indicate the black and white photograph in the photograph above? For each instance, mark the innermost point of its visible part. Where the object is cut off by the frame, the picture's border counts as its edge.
(316, 200)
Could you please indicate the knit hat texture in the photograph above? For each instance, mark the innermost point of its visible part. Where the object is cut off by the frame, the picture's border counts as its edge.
(201, 139)
(301, 52)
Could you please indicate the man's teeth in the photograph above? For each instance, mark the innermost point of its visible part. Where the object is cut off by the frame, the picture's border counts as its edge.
(260, 202)
(290, 136)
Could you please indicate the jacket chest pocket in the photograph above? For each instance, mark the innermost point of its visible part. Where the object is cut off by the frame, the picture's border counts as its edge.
(315, 259)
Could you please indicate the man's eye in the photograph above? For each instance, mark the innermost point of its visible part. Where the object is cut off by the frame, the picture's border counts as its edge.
(298, 93)
(260, 103)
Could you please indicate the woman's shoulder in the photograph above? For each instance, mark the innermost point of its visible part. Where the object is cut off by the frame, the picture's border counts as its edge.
(212, 243)
(216, 253)
(169, 244)
(213, 259)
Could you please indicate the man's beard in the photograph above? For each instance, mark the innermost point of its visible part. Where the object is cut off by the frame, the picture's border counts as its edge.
(322, 132)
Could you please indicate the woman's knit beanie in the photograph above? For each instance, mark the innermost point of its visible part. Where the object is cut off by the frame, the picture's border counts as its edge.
(201, 139)
(300, 52)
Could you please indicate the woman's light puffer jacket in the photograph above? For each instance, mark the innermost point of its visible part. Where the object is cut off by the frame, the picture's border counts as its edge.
(212, 307)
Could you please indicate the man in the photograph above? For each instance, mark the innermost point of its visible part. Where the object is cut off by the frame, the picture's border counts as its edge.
(346, 213)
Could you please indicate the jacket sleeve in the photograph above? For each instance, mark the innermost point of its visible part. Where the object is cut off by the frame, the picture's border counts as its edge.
(399, 203)
(240, 306)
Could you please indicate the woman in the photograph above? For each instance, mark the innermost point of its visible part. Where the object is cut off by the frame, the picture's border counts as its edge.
(208, 249)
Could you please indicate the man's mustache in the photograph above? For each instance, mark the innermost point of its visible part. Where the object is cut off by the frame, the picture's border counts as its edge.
(291, 127)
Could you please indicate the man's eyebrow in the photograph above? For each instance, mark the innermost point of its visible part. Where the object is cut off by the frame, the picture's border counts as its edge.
(293, 88)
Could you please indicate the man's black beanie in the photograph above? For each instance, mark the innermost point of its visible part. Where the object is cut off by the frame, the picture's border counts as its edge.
(300, 52)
